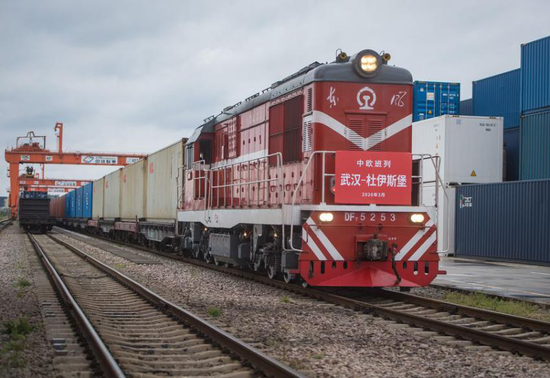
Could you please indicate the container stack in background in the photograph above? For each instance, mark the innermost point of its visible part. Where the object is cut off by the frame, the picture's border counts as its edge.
(499, 96)
(510, 221)
(535, 110)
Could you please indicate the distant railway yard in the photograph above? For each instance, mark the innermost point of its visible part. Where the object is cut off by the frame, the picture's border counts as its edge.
(308, 332)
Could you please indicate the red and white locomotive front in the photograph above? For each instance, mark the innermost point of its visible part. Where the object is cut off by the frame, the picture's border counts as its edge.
(315, 179)
(367, 226)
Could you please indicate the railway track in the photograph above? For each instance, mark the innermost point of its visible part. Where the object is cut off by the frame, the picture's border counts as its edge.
(481, 327)
(132, 331)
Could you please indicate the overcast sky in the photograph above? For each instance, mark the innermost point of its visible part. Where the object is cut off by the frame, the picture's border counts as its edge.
(134, 76)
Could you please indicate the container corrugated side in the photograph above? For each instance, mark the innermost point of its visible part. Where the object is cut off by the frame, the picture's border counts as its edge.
(467, 107)
(111, 205)
(507, 221)
(67, 205)
(535, 146)
(498, 96)
(433, 99)
(162, 173)
(79, 199)
(97, 198)
(72, 211)
(134, 180)
(511, 144)
(87, 192)
(535, 74)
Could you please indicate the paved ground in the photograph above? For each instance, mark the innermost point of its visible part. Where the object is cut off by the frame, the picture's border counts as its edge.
(528, 282)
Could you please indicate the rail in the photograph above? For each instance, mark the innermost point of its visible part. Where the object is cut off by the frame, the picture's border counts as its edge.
(258, 359)
(104, 357)
(349, 299)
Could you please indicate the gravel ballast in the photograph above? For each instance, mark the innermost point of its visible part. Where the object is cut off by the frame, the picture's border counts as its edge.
(31, 356)
(319, 339)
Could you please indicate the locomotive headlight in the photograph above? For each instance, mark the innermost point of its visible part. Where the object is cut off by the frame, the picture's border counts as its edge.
(417, 218)
(326, 217)
(369, 63)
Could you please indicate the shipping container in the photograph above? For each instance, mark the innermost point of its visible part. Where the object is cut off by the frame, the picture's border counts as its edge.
(97, 198)
(535, 74)
(535, 146)
(470, 148)
(72, 204)
(111, 199)
(67, 205)
(57, 207)
(87, 200)
(498, 96)
(511, 147)
(507, 221)
(433, 99)
(79, 198)
(162, 173)
(134, 181)
(467, 107)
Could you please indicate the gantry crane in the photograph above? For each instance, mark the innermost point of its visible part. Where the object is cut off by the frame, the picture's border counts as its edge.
(31, 149)
(32, 183)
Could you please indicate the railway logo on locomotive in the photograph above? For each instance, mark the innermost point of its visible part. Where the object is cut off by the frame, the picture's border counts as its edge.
(366, 98)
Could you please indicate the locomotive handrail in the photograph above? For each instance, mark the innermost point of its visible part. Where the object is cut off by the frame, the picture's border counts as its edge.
(324, 175)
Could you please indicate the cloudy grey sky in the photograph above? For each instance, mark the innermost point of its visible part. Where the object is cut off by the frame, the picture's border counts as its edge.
(137, 75)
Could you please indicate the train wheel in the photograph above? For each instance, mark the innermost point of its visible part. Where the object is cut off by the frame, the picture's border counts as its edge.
(304, 283)
(216, 262)
(271, 272)
(208, 258)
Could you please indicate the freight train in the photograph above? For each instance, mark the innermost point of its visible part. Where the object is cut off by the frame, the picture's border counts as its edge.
(34, 212)
(311, 179)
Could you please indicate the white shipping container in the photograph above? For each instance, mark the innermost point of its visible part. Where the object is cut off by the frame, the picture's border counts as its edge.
(162, 173)
(133, 197)
(470, 148)
(97, 202)
(111, 195)
(471, 152)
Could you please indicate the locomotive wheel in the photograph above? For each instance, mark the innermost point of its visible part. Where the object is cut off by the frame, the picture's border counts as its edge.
(304, 284)
(216, 262)
(271, 272)
(208, 258)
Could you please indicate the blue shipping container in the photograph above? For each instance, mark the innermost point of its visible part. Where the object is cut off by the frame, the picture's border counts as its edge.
(72, 210)
(67, 205)
(535, 146)
(79, 198)
(433, 99)
(535, 74)
(498, 96)
(467, 107)
(511, 143)
(504, 221)
(87, 201)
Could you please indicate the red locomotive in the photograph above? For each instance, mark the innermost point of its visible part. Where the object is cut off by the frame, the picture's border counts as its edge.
(314, 179)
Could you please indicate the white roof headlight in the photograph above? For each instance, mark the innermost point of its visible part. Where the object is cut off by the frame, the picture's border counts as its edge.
(367, 63)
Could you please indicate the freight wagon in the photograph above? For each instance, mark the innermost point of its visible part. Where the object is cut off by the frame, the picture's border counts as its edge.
(34, 212)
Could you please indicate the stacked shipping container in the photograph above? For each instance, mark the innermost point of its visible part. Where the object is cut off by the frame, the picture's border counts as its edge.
(499, 96)
(434, 99)
(535, 107)
(507, 221)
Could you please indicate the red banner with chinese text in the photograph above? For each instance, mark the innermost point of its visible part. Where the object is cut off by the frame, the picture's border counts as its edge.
(365, 177)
